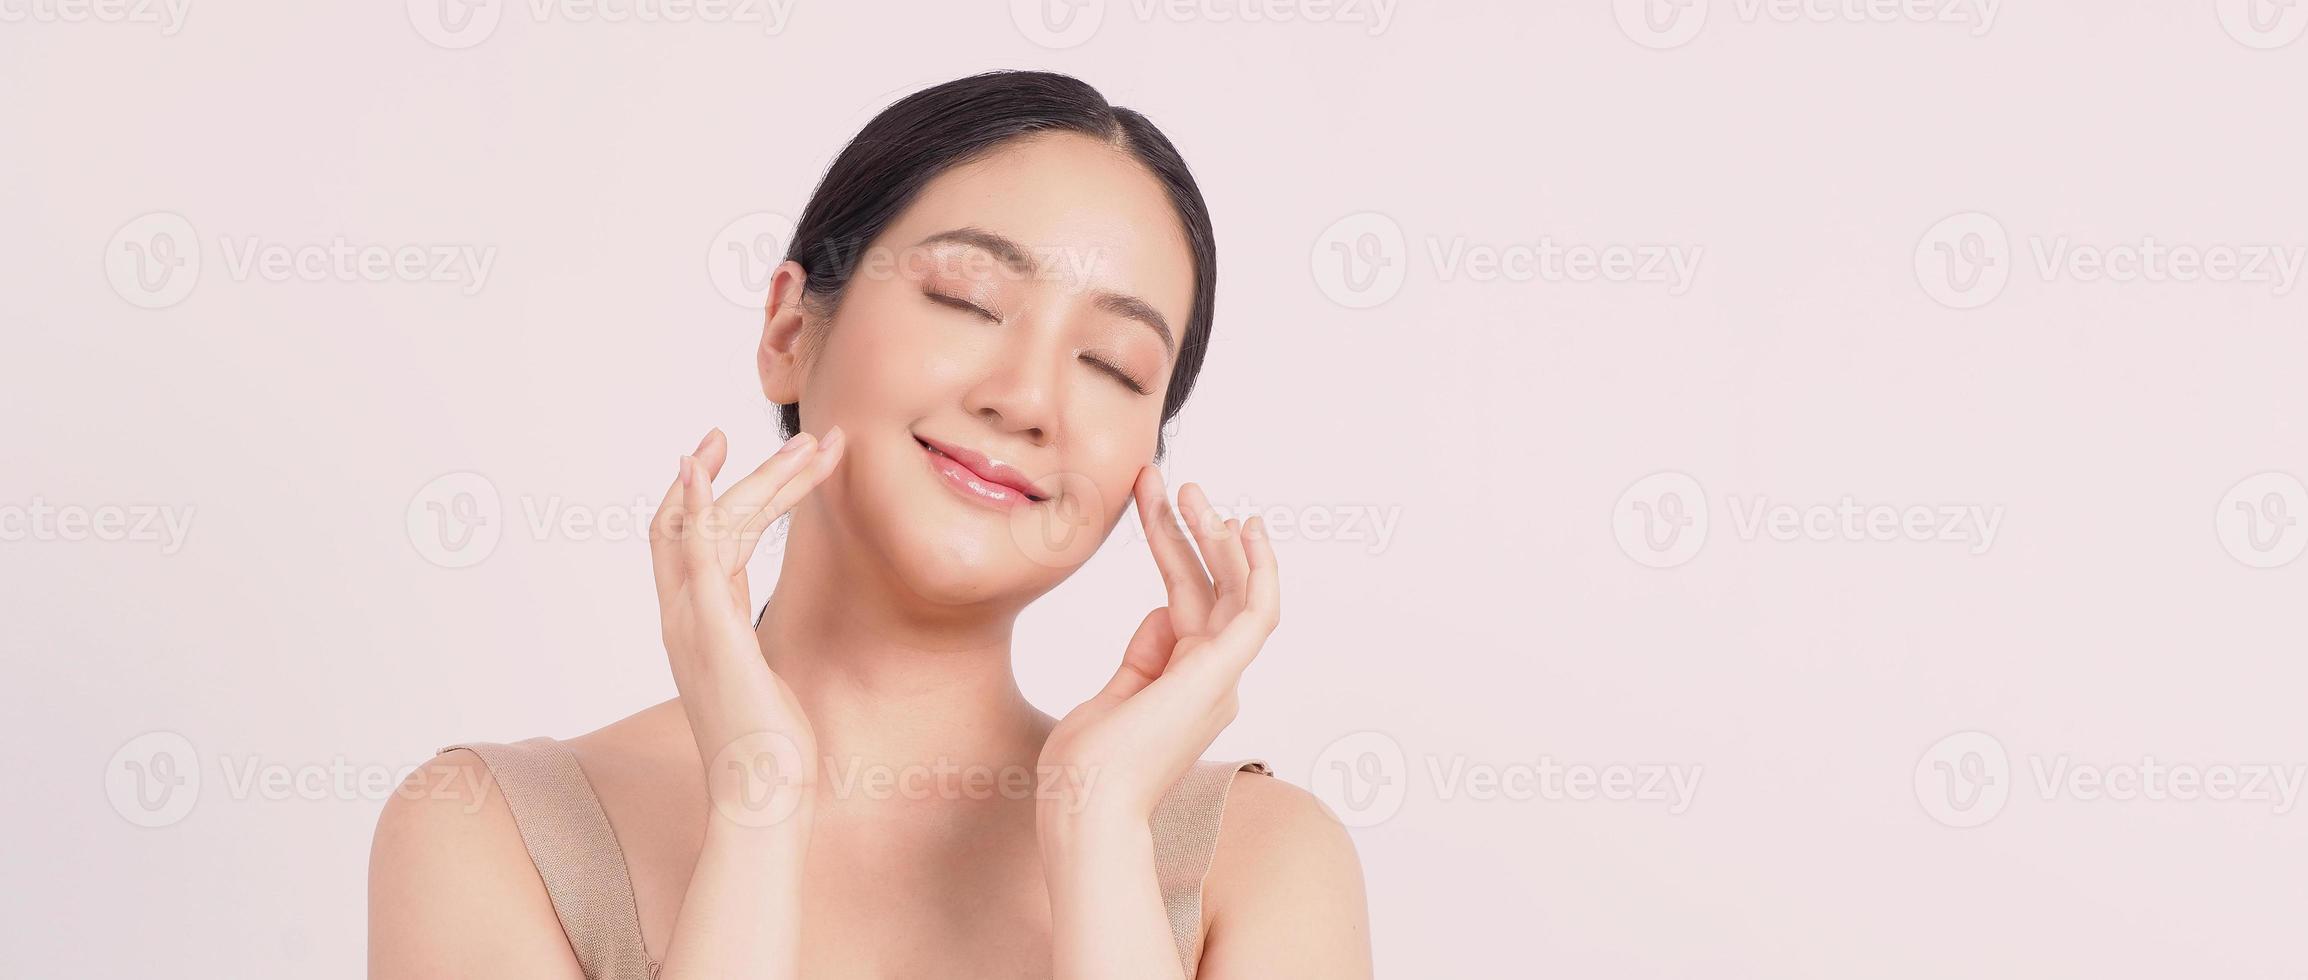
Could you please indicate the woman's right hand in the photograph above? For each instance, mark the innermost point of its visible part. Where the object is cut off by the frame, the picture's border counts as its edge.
(759, 752)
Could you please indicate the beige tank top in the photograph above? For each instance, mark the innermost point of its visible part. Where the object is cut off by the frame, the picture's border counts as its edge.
(576, 852)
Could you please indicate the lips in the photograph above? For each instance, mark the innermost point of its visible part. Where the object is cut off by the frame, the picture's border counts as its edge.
(980, 476)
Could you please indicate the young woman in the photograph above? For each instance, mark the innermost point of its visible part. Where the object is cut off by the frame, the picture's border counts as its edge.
(999, 293)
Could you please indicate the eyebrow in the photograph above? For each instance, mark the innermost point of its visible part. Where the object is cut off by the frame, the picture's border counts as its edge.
(1014, 256)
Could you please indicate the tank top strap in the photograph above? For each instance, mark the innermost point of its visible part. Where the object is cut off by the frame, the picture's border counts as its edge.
(576, 853)
(1185, 825)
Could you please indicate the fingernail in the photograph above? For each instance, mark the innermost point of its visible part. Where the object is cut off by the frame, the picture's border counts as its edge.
(708, 438)
(799, 442)
(833, 437)
(681, 469)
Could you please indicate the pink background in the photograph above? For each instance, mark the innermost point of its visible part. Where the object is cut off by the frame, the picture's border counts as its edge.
(306, 619)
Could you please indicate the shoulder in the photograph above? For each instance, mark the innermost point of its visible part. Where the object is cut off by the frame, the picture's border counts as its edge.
(1285, 886)
(645, 773)
(1274, 826)
(451, 889)
(453, 801)
(450, 802)
(640, 742)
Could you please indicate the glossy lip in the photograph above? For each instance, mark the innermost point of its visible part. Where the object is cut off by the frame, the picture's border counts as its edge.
(979, 475)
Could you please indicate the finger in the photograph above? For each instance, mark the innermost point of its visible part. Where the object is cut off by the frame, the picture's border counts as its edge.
(1182, 574)
(747, 500)
(821, 465)
(1229, 600)
(1145, 657)
(712, 451)
(665, 537)
(1246, 633)
(1262, 594)
(700, 522)
(670, 513)
(1221, 552)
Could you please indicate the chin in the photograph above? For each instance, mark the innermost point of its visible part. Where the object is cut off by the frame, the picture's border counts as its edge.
(951, 551)
(955, 569)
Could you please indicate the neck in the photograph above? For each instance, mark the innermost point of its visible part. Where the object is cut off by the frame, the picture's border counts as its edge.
(887, 679)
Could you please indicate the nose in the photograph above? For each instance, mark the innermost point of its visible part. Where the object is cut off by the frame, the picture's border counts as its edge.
(1019, 392)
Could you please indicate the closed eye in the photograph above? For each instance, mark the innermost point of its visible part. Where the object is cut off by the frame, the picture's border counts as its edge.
(1118, 374)
(964, 305)
(1105, 367)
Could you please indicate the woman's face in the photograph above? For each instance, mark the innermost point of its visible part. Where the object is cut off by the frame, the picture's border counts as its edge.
(998, 363)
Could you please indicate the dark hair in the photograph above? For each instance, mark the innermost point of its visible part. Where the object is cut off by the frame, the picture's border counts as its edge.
(938, 128)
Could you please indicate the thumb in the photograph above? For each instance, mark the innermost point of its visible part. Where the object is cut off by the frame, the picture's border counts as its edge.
(1145, 657)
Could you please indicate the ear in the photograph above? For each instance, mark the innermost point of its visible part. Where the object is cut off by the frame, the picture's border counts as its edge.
(779, 358)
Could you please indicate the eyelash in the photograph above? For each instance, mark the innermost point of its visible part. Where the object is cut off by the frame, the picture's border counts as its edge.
(1119, 375)
(964, 305)
(958, 303)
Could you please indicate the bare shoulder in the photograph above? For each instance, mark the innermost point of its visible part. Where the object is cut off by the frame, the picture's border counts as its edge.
(637, 743)
(452, 892)
(1285, 893)
(1272, 826)
(645, 771)
(452, 889)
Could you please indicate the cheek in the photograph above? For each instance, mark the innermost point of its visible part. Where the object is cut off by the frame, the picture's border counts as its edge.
(1094, 490)
(880, 353)
(1110, 457)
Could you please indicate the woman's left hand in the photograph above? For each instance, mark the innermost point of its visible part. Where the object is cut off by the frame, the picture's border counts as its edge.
(1177, 688)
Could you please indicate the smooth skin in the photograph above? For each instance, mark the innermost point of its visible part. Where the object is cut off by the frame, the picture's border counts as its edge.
(886, 647)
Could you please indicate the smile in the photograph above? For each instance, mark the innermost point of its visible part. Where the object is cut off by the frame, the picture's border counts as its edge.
(980, 480)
